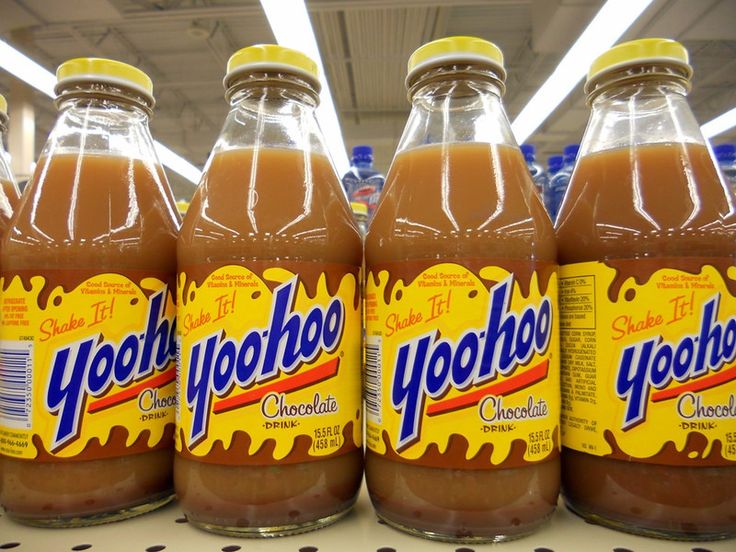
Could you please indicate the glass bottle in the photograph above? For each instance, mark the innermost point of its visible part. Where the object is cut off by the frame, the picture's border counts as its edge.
(647, 242)
(88, 266)
(462, 396)
(9, 194)
(270, 427)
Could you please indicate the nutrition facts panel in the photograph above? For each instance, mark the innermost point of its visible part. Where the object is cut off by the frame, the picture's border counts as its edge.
(167, 530)
(577, 302)
(578, 336)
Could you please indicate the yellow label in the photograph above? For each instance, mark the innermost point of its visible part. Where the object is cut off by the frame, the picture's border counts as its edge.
(648, 363)
(462, 365)
(269, 363)
(85, 373)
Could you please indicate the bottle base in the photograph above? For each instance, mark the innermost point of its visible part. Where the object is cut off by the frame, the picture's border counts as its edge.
(270, 532)
(464, 539)
(61, 522)
(653, 532)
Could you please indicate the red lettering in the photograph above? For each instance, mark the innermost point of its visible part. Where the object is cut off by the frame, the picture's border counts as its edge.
(395, 322)
(192, 323)
(625, 325)
(51, 326)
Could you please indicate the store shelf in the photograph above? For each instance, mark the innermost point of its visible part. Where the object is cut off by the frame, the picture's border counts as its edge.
(167, 531)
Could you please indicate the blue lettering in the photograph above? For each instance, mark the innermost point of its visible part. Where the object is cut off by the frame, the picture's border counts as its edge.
(427, 366)
(73, 375)
(655, 363)
(290, 340)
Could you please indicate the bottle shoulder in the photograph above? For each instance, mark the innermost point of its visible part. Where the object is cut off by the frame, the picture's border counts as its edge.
(94, 209)
(655, 200)
(460, 202)
(272, 208)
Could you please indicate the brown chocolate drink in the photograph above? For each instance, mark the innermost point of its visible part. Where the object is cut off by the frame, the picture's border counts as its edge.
(275, 448)
(458, 223)
(88, 269)
(647, 243)
(667, 492)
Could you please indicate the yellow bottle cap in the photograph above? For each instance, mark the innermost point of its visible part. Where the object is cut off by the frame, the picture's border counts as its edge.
(270, 57)
(104, 70)
(359, 208)
(3, 105)
(456, 49)
(182, 206)
(636, 52)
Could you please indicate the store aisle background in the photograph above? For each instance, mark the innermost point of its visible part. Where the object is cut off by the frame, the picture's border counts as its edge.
(184, 45)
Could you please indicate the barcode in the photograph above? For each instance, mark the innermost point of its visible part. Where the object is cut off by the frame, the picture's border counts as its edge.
(372, 387)
(16, 383)
(177, 412)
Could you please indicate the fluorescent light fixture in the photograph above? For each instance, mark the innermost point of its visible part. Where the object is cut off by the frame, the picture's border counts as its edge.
(27, 70)
(611, 21)
(30, 72)
(291, 27)
(720, 124)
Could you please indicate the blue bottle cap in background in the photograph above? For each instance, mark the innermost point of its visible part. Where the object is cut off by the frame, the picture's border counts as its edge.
(362, 154)
(571, 152)
(554, 163)
(725, 152)
(528, 150)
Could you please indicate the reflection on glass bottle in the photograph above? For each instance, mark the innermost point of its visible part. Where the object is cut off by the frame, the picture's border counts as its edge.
(363, 183)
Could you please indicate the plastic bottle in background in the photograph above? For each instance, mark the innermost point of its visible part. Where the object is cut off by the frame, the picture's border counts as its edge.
(539, 176)
(726, 157)
(559, 181)
(270, 248)
(91, 256)
(9, 194)
(646, 242)
(363, 183)
(554, 164)
(360, 213)
(453, 297)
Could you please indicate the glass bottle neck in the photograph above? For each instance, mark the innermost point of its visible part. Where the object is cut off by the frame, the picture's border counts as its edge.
(103, 95)
(102, 120)
(454, 88)
(482, 77)
(271, 110)
(273, 86)
(271, 96)
(638, 112)
(636, 89)
(456, 105)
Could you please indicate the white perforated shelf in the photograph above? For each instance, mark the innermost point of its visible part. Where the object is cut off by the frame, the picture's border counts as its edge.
(166, 530)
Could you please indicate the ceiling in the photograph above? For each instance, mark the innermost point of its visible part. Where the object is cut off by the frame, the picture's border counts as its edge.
(184, 46)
